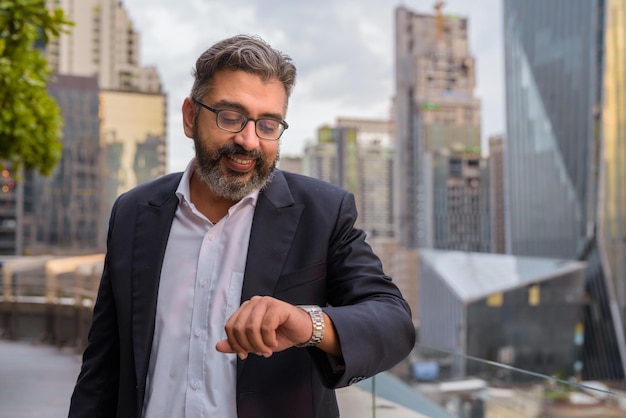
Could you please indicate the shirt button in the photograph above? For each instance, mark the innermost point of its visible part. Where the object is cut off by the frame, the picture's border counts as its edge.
(203, 283)
(197, 332)
(195, 384)
(211, 237)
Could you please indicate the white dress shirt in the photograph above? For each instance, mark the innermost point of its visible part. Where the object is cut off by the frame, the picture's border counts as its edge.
(200, 288)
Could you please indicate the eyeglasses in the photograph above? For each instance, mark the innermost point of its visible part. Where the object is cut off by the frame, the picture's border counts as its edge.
(233, 121)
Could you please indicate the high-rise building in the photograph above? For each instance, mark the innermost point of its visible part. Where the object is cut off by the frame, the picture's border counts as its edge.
(356, 156)
(63, 212)
(497, 207)
(103, 43)
(435, 113)
(334, 158)
(292, 163)
(566, 153)
(133, 134)
(455, 201)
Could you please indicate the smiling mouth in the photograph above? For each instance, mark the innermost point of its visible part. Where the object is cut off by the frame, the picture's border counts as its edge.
(240, 160)
(240, 165)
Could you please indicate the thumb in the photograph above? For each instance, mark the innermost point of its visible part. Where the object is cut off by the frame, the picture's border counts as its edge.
(224, 347)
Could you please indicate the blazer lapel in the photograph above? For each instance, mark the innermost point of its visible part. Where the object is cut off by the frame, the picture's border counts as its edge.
(275, 222)
(152, 228)
(274, 225)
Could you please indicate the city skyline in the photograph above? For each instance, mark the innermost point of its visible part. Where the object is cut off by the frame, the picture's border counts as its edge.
(346, 71)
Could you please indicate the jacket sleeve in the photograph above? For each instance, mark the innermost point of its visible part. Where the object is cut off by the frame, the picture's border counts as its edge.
(96, 390)
(371, 318)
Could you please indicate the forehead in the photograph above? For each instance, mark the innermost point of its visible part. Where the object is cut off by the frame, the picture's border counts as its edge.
(248, 91)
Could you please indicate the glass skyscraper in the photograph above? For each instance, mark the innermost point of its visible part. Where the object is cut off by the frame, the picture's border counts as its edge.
(565, 64)
(612, 184)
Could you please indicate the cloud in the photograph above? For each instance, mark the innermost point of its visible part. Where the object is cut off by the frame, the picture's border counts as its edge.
(344, 52)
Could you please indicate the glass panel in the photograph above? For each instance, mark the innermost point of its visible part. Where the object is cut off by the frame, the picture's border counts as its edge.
(424, 386)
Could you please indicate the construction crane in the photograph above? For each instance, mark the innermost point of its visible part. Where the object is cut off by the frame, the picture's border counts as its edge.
(439, 16)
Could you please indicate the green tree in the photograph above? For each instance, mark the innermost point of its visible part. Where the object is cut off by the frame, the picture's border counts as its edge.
(30, 120)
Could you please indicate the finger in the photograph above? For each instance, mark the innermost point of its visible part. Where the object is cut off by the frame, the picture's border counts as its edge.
(223, 346)
(256, 328)
(243, 329)
(231, 336)
(269, 327)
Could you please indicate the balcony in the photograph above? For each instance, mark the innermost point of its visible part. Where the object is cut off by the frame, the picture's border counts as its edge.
(48, 301)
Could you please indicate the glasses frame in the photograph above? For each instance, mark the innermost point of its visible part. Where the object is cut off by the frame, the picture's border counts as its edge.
(247, 119)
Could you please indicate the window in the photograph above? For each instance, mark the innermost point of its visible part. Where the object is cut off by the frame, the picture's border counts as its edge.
(495, 300)
(534, 295)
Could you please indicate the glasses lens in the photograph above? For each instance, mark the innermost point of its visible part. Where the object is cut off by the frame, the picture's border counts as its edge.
(268, 128)
(230, 120)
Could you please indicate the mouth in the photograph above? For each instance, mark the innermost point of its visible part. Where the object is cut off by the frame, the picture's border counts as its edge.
(240, 164)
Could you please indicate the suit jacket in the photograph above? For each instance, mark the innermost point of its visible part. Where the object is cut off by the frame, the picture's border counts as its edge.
(304, 249)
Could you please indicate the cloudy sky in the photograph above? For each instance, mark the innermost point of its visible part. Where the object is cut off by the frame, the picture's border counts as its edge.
(343, 49)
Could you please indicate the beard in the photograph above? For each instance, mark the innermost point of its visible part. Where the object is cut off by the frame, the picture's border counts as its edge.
(232, 185)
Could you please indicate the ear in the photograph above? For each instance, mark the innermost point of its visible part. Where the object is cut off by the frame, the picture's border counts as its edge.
(189, 113)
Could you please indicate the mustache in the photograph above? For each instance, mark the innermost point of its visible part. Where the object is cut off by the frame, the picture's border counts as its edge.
(236, 149)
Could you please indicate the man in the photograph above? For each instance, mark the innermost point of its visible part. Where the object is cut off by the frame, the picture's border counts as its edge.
(209, 304)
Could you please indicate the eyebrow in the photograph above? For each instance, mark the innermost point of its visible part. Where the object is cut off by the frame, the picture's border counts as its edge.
(238, 106)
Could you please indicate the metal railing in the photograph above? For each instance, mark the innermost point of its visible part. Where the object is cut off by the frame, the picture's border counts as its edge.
(49, 299)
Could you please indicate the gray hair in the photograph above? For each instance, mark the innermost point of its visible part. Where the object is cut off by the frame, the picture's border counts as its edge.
(242, 52)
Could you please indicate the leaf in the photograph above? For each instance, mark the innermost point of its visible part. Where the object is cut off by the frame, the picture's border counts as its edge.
(30, 119)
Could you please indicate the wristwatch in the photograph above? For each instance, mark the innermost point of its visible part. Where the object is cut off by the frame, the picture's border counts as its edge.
(317, 319)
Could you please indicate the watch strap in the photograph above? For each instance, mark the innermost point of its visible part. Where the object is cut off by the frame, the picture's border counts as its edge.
(317, 321)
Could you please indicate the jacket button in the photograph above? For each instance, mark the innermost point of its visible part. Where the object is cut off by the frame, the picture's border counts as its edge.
(355, 379)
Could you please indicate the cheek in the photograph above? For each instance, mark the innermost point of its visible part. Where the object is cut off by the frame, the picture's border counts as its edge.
(270, 150)
(211, 139)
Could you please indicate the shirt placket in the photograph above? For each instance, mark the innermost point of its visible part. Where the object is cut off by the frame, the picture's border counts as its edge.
(199, 337)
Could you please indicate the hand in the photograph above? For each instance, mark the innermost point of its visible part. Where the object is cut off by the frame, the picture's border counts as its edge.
(264, 325)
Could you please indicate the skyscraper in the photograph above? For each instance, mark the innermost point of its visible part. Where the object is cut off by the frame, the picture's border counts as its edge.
(356, 156)
(62, 212)
(566, 148)
(435, 113)
(103, 43)
(456, 199)
(496, 189)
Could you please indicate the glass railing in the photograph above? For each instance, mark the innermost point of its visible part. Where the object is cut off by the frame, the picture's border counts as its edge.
(430, 384)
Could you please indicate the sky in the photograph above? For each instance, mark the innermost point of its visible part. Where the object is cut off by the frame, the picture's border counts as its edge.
(343, 51)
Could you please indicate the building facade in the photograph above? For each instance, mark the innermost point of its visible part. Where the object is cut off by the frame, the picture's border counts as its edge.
(494, 307)
(103, 43)
(133, 134)
(292, 163)
(456, 201)
(497, 206)
(435, 110)
(565, 147)
(63, 212)
(356, 156)
(12, 195)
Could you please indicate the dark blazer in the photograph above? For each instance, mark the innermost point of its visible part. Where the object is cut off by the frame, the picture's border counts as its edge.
(303, 249)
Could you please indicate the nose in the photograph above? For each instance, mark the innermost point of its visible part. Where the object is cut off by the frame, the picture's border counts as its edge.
(248, 138)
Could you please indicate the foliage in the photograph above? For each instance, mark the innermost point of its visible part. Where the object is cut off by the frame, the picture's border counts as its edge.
(30, 120)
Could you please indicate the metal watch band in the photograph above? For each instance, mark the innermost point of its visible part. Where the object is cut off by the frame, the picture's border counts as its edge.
(317, 320)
